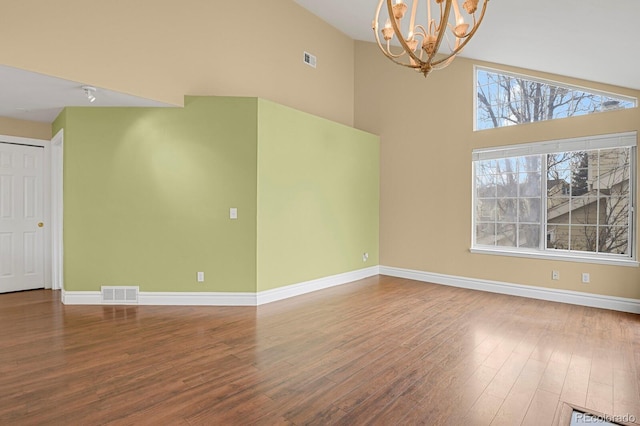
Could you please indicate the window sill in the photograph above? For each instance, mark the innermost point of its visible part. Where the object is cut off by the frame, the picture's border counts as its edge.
(559, 257)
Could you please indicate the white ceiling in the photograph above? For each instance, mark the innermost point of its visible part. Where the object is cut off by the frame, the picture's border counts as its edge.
(590, 39)
(31, 96)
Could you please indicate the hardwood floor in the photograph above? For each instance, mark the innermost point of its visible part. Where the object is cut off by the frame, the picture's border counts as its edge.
(379, 351)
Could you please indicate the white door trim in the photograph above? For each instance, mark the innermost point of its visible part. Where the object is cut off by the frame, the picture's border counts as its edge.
(56, 228)
(46, 194)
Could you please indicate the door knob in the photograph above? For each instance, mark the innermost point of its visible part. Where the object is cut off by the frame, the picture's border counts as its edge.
(40, 224)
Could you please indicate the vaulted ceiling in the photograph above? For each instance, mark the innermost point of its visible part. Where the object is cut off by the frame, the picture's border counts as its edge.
(589, 39)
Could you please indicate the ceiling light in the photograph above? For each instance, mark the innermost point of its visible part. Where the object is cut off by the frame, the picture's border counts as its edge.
(90, 91)
(431, 43)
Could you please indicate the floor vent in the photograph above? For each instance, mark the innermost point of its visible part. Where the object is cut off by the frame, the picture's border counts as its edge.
(119, 295)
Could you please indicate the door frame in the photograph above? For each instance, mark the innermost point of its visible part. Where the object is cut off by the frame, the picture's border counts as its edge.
(56, 210)
(47, 187)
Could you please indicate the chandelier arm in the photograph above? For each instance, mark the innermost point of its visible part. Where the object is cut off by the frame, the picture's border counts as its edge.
(394, 58)
(466, 39)
(390, 54)
(441, 12)
(398, 33)
(421, 31)
(444, 19)
(443, 63)
(375, 28)
(414, 8)
(387, 52)
(477, 23)
(456, 44)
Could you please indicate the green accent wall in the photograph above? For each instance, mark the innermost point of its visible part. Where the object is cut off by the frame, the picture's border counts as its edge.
(59, 123)
(147, 193)
(318, 197)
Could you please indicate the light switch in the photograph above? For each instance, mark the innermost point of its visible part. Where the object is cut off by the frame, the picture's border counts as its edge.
(200, 277)
(233, 213)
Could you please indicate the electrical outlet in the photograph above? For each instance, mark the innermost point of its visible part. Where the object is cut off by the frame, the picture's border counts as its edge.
(555, 275)
(365, 257)
(585, 277)
(200, 277)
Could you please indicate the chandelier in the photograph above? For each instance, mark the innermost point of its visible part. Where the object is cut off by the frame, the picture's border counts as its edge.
(434, 43)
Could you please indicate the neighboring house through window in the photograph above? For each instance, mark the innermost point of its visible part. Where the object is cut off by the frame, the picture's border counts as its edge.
(569, 198)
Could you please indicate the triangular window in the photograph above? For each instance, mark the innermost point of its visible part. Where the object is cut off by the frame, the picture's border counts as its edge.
(506, 99)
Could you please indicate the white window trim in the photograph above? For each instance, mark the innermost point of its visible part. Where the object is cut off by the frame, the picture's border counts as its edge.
(539, 80)
(628, 139)
(597, 259)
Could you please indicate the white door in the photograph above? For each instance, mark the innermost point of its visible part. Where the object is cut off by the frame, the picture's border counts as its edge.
(21, 217)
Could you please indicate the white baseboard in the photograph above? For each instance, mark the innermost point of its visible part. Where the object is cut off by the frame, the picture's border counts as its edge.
(166, 298)
(554, 295)
(293, 290)
(225, 299)
(268, 296)
(196, 299)
(81, 297)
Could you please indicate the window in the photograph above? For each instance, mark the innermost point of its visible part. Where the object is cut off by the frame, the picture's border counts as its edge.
(506, 99)
(569, 198)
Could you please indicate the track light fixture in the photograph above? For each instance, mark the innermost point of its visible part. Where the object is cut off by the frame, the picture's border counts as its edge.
(90, 91)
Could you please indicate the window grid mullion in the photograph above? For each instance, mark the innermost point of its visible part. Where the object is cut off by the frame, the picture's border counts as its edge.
(544, 176)
(574, 169)
(598, 186)
(517, 203)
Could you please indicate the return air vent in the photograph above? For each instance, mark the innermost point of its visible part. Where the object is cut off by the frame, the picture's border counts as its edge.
(309, 59)
(119, 295)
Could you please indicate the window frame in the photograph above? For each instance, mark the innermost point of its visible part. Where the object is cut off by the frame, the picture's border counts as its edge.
(617, 140)
(538, 80)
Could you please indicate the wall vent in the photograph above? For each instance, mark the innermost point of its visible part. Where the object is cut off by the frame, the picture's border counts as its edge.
(119, 295)
(309, 59)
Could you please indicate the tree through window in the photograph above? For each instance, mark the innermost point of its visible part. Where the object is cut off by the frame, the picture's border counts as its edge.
(571, 197)
(507, 99)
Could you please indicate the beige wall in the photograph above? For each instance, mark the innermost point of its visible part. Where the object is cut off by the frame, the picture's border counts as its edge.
(165, 49)
(427, 137)
(24, 128)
